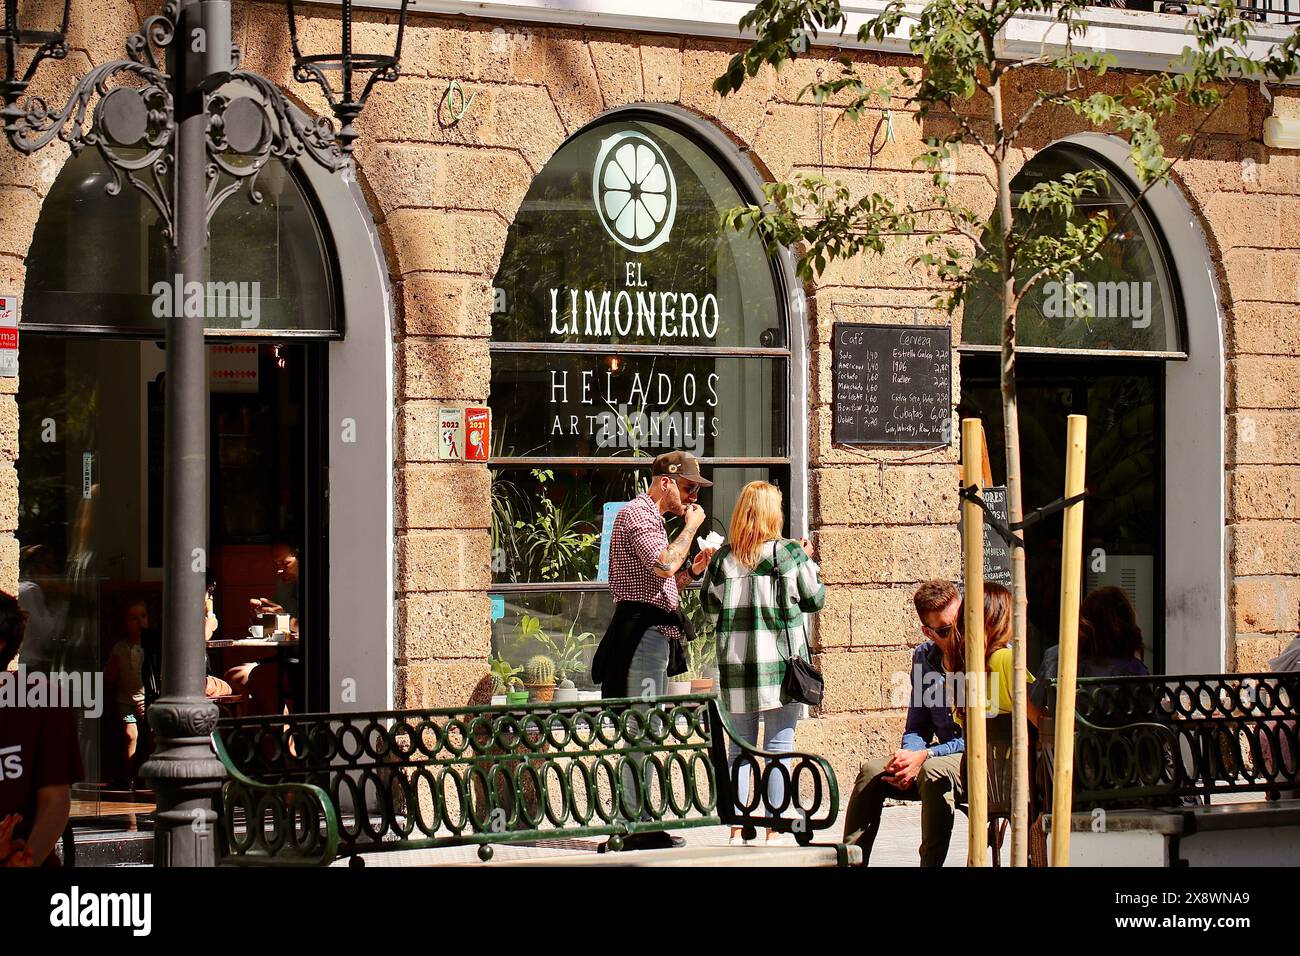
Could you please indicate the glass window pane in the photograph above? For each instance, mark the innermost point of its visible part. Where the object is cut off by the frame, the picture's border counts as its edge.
(1123, 519)
(590, 404)
(1125, 300)
(544, 622)
(96, 259)
(90, 522)
(620, 240)
(566, 626)
(547, 522)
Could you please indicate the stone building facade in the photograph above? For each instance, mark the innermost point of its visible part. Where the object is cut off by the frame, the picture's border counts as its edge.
(443, 191)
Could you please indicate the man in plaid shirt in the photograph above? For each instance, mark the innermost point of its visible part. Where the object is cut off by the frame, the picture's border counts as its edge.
(646, 574)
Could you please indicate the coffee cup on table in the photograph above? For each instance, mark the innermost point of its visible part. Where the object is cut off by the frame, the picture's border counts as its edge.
(255, 631)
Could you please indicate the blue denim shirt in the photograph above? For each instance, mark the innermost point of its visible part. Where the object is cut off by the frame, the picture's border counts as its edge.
(929, 713)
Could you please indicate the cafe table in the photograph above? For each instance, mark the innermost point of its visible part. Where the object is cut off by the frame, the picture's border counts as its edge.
(243, 650)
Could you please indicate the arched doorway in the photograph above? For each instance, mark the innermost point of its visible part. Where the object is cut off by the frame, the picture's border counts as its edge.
(1145, 362)
(628, 322)
(300, 455)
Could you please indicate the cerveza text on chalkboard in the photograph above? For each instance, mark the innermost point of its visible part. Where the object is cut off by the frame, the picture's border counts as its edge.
(892, 384)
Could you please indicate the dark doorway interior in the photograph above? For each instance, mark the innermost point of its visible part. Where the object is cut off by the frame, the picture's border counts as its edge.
(1124, 518)
(91, 513)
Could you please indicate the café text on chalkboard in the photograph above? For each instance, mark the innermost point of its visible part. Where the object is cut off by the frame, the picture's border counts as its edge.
(893, 384)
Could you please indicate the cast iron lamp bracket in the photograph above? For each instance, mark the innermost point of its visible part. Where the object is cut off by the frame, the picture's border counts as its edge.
(125, 109)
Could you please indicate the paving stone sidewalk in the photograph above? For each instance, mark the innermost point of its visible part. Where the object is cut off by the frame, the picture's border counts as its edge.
(900, 834)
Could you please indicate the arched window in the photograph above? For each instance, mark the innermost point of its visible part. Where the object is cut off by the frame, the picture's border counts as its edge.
(627, 322)
(96, 260)
(1125, 302)
(1095, 343)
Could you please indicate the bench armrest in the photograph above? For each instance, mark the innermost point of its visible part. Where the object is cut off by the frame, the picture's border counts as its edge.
(1131, 762)
(285, 824)
(793, 769)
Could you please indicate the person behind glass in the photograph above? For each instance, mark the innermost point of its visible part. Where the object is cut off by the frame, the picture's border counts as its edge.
(43, 595)
(927, 765)
(151, 641)
(124, 669)
(1110, 644)
(285, 600)
(759, 625)
(259, 681)
(40, 760)
(643, 643)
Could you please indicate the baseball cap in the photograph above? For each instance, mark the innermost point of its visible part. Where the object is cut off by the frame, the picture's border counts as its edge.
(679, 464)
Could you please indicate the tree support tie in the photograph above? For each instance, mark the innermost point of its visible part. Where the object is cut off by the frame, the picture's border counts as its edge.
(1007, 531)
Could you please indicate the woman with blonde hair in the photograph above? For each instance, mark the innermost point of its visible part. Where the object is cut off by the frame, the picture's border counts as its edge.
(756, 591)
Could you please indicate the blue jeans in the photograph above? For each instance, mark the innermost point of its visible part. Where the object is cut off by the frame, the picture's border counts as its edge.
(778, 731)
(647, 676)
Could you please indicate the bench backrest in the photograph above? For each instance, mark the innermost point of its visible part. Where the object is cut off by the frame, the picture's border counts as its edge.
(502, 774)
(1157, 739)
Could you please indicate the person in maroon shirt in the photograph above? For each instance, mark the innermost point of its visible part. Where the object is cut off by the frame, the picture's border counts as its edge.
(39, 761)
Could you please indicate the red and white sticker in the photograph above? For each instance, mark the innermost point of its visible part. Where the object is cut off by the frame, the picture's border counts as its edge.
(478, 433)
(9, 335)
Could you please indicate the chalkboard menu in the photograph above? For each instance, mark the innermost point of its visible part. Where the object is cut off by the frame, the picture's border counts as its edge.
(997, 553)
(893, 384)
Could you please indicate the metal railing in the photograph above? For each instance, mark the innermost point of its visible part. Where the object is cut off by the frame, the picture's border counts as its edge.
(1158, 740)
(1261, 11)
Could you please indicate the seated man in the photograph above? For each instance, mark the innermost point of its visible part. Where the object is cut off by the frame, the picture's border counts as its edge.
(927, 767)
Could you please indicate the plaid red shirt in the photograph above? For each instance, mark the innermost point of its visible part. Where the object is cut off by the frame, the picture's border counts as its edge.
(638, 539)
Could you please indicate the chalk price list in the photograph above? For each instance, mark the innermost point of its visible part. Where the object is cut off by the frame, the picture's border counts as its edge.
(893, 385)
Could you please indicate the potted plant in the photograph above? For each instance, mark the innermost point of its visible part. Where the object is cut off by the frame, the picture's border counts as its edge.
(679, 685)
(539, 678)
(569, 657)
(506, 688)
(702, 655)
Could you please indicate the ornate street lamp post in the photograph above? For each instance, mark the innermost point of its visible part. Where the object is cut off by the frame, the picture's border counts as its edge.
(188, 132)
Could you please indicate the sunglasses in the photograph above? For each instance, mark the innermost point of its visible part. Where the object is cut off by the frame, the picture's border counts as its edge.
(688, 488)
(943, 631)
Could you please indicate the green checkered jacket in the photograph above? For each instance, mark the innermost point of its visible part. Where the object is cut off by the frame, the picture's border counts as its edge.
(750, 629)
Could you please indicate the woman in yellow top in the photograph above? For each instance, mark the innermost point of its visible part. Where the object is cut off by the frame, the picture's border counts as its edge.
(997, 655)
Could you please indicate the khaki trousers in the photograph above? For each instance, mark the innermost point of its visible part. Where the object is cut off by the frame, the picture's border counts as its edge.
(937, 785)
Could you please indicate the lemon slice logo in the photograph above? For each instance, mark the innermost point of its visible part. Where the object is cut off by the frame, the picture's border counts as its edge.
(634, 191)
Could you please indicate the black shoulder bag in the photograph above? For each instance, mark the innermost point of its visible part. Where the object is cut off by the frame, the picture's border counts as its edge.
(802, 682)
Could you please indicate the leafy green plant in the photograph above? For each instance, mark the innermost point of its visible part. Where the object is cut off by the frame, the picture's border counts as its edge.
(558, 543)
(569, 652)
(504, 677)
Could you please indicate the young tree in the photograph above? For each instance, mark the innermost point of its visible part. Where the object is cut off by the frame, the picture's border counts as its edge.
(1045, 234)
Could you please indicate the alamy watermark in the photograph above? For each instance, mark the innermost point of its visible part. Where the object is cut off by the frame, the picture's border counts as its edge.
(916, 688)
(208, 300)
(78, 690)
(635, 430)
(1098, 300)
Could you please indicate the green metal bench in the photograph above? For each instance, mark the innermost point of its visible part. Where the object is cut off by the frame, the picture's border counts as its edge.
(307, 789)
(1162, 740)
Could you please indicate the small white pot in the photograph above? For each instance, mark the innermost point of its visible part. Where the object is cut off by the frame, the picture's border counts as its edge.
(678, 688)
(588, 695)
(499, 700)
(565, 695)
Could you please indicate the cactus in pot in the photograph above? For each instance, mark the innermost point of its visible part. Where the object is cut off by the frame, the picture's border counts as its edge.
(539, 678)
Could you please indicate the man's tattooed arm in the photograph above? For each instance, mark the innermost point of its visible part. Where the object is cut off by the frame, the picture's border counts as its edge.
(672, 557)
